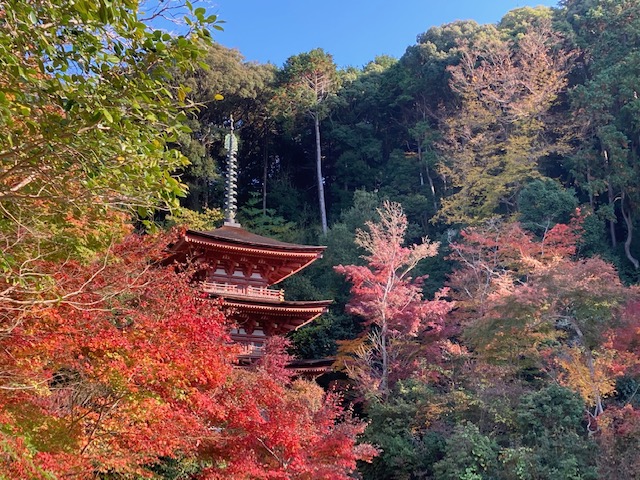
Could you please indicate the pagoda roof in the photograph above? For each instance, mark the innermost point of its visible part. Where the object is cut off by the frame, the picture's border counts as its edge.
(232, 241)
(311, 367)
(240, 238)
(291, 305)
(289, 315)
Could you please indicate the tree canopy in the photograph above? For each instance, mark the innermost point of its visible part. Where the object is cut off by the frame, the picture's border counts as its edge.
(478, 198)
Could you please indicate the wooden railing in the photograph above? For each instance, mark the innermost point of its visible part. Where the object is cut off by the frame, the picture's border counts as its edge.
(223, 289)
(250, 350)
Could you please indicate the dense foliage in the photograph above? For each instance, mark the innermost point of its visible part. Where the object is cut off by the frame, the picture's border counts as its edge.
(136, 374)
(506, 347)
(112, 364)
(515, 146)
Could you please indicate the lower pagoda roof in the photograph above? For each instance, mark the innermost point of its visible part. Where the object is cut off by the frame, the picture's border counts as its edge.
(275, 318)
(311, 367)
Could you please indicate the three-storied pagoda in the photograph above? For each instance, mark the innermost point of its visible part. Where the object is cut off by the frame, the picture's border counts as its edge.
(241, 267)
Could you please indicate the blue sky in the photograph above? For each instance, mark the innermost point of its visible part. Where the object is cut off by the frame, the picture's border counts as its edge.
(353, 31)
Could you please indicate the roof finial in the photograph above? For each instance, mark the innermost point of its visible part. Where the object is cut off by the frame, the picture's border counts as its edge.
(231, 207)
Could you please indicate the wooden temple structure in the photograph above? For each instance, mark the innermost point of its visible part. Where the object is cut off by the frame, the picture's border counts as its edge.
(241, 268)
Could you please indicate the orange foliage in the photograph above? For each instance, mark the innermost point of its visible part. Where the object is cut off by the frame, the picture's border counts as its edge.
(619, 442)
(575, 373)
(136, 367)
(526, 301)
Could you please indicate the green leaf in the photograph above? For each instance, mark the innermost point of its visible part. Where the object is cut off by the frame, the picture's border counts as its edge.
(107, 115)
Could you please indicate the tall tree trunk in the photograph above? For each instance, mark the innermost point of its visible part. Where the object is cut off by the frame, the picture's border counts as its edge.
(206, 193)
(429, 179)
(323, 210)
(265, 172)
(420, 164)
(384, 380)
(592, 374)
(628, 220)
(612, 225)
(597, 398)
(612, 199)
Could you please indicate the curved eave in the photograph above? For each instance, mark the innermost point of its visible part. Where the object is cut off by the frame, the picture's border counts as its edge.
(307, 310)
(235, 236)
(253, 250)
(249, 244)
(309, 372)
(311, 367)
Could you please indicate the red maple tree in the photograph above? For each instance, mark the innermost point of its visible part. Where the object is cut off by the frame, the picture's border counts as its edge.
(136, 368)
(388, 299)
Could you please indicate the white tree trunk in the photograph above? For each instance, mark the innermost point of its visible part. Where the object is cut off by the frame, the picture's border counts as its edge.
(323, 209)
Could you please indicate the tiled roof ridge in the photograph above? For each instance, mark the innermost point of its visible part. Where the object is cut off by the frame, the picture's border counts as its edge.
(241, 236)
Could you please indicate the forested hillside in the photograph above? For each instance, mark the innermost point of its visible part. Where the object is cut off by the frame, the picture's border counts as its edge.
(514, 148)
(479, 198)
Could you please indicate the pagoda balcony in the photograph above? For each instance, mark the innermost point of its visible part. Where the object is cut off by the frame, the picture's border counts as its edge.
(243, 291)
(251, 351)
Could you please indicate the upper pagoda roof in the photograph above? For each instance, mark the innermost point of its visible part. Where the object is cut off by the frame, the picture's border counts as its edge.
(241, 238)
(233, 242)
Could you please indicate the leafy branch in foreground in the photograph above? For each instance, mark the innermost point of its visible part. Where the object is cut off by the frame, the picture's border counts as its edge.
(86, 112)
